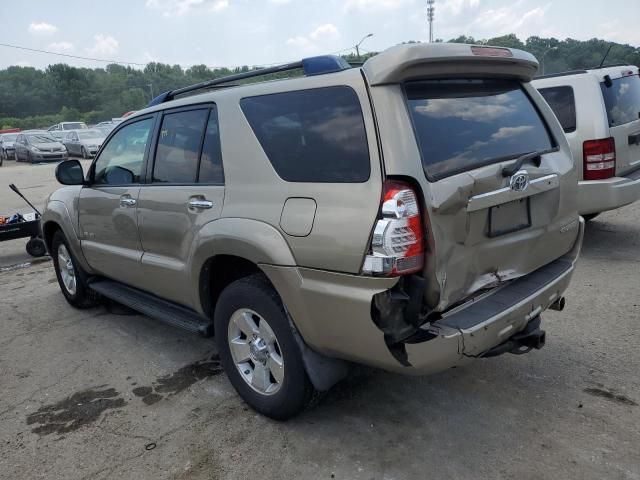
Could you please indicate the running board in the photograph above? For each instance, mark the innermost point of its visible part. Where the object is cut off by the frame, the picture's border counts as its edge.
(154, 307)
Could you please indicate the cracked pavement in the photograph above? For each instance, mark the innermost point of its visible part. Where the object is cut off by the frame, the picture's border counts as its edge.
(73, 385)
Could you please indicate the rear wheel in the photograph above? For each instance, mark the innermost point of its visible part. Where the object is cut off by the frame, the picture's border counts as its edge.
(258, 350)
(71, 278)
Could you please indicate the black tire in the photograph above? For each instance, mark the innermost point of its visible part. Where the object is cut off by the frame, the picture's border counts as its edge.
(296, 391)
(30, 158)
(36, 248)
(15, 155)
(589, 217)
(83, 297)
(84, 153)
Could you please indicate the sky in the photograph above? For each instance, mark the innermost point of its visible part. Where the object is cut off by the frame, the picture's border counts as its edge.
(261, 32)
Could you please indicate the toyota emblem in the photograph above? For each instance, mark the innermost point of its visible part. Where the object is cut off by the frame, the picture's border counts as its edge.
(520, 181)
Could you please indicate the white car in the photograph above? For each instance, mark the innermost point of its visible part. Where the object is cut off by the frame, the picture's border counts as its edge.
(68, 126)
(599, 111)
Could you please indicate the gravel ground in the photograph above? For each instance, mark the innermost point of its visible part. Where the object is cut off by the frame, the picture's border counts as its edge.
(94, 394)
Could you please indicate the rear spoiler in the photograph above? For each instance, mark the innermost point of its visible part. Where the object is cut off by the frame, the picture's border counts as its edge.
(439, 60)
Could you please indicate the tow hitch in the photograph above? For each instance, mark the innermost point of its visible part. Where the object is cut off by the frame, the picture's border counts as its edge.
(526, 340)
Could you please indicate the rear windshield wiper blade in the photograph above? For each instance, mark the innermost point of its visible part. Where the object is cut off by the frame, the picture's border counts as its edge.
(513, 168)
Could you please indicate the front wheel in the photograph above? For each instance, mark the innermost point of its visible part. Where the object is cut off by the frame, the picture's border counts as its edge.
(85, 155)
(258, 350)
(71, 278)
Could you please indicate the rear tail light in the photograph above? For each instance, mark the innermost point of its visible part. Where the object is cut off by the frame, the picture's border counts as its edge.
(599, 159)
(397, 246)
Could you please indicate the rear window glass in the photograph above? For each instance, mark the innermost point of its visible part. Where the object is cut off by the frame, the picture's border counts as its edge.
(467, 123)
(622, 100)
(563, 104)
(313, 135)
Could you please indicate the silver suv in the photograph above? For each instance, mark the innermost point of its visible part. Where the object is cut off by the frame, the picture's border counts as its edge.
(412, 214)
(599, 110)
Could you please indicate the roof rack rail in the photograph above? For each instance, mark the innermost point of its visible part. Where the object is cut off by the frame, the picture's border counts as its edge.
(561, 74)
(311, 66)
(610, 65)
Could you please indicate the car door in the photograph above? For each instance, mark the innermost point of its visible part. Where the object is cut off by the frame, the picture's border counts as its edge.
(185, 190)
(107, 206)
(21, 147)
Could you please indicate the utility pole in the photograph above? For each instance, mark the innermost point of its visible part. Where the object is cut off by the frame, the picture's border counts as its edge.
(431, 10)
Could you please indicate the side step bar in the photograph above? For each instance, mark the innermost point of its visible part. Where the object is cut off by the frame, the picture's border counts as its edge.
(154, 307)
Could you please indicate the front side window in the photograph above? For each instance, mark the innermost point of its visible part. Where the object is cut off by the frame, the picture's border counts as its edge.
(120, 162)
(313, 135)
(179, 146)
(462, 124)
(622, 100)
(562, 102)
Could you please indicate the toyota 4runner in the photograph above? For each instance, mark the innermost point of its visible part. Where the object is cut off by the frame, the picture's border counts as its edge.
(411, 214)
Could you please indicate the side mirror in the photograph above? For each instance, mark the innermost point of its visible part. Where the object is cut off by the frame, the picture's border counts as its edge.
(70, 172)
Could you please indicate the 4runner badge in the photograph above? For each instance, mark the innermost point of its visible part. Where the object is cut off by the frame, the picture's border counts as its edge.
(520, 181)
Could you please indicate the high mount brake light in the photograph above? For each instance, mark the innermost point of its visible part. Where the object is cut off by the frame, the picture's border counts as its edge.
(599, 159)
(491, 52)
(397, 246)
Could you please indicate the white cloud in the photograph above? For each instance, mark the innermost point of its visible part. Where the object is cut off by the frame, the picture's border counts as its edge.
(301, 42)
(42, 28)
(171, 8)
(60, 47)
(370, 6)
(104, 45)
(510, 19)
(456, 7)
(23, 63)
(279, 2)
(327, 31)
(508, 132)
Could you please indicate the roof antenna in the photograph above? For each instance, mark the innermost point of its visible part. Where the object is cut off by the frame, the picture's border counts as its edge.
(605, 56)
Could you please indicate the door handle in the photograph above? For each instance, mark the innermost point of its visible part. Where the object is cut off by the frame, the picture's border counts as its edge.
(200, 203)
(127, 201)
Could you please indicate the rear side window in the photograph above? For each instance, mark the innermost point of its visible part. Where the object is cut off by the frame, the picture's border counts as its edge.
(179, 146)
(315, 135)
(622, 100)
(467, 123)
(562, 102)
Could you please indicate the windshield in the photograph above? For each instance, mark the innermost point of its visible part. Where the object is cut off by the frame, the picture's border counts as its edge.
(622, 100)
(462, 124)
(40, 138)
(8, 137)
(74, 126)
(90, 134)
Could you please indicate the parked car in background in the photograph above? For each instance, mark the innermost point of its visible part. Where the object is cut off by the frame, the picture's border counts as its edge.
(35, 146)
(7, 141)
(84, 143)
(599, 111)
(68, 126)
(266, 212)
(58, 134)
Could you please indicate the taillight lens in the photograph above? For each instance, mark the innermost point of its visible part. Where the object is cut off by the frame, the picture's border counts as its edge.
(599, 159)
(397, 247)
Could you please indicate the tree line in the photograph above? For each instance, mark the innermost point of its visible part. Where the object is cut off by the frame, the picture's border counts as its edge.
(32, 98)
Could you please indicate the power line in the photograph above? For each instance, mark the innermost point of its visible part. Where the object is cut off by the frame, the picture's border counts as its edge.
(18, 47)
(69, 55)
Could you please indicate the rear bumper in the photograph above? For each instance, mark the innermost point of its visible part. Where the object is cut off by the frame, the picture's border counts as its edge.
(333, 313)
(601, 195)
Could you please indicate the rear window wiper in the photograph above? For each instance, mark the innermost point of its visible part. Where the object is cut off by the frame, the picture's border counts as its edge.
(513, 168)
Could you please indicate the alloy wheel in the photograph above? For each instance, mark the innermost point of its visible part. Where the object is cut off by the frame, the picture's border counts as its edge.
(67, 270)
(255, 351)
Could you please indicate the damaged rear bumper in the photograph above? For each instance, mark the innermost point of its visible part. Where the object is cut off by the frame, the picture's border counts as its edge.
(333, 313)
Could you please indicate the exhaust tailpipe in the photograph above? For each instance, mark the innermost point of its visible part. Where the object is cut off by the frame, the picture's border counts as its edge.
(558, 305)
